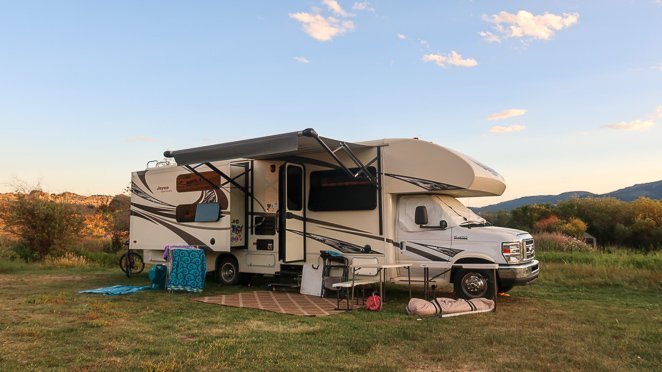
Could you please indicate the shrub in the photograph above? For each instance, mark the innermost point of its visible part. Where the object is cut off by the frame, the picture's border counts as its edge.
(574, 227)
(7, 250)
(558, 242)
(23, 252)
(43, 226)
(550, 223)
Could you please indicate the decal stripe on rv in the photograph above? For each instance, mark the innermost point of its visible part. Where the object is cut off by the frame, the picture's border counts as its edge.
(342, 246)
(427, 255)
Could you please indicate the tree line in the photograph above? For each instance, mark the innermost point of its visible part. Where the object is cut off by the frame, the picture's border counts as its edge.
(636, 225)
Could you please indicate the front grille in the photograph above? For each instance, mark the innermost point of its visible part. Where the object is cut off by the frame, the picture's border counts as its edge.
(529, 249)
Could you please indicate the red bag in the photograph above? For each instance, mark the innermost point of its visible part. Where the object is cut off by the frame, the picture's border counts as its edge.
(373, 303)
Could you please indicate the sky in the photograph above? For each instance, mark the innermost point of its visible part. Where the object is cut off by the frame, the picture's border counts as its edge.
(555, 95)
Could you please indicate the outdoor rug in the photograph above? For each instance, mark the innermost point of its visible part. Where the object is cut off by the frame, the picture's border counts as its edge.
(278, 302)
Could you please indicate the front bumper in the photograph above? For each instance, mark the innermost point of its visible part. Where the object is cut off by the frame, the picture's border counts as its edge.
(521, 274)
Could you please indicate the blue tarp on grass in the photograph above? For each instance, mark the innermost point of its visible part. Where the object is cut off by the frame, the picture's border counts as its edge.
(117, 290)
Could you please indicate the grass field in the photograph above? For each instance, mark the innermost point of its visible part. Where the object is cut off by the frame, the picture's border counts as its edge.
(583, 314)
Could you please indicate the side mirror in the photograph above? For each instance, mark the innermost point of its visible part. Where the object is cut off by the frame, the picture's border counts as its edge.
(443, 224)
(421, 215)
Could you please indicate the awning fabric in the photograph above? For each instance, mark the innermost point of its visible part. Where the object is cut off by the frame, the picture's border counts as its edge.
(276, 146)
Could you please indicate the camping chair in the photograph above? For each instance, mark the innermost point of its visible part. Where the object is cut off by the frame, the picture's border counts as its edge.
(335, 269)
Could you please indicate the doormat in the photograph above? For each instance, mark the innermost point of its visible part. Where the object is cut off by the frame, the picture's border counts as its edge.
(277, 302)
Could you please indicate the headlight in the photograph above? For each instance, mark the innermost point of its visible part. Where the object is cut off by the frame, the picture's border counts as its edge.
(512, 252)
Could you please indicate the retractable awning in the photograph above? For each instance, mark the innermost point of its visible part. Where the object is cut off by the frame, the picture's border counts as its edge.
(272, 147)
(276, 146)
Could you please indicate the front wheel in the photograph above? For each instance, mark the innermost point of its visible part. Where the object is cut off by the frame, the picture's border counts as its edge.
(132, 263)
(470, 284)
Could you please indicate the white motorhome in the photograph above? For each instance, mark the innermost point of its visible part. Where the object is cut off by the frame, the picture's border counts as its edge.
(271, 204)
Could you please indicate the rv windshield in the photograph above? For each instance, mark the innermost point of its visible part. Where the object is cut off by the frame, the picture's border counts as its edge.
(458, 213)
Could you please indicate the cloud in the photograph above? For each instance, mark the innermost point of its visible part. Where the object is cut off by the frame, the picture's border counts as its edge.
(142, 139)
(638, 125)
(324, 28)
(302, 60)
(509, 129)
(506, 114)
(453, 59)
(489, 37)
(335, 8)
(364, 5)
(657, 67)
(402, 37)
(321, 28)
(425, 44)
(527, 26)
(634, 125)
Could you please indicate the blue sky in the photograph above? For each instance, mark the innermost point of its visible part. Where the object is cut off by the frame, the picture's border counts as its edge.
(555, 95)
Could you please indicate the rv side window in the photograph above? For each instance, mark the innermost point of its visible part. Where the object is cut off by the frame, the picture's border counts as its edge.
(335, 190)
(205, 212)
(294, 188)
(193, 182)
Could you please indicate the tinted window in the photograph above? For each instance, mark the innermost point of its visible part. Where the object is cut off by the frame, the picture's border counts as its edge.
(335, 190)
(294, 188)
(205, 212)
(193, 182)
(265, 225)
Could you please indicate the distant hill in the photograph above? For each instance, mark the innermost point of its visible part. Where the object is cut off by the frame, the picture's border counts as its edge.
(651, 190)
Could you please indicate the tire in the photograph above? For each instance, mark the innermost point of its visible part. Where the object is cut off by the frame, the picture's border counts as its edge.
(470, 284)
(227, 271)
(132, 265)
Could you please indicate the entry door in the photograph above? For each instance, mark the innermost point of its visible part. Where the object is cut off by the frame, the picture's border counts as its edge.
(292, 229)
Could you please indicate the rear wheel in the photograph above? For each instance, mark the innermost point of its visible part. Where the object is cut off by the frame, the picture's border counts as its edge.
(227, 271)
(473, 284)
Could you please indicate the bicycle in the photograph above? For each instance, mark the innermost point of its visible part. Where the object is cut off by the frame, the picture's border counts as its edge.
(131, 263)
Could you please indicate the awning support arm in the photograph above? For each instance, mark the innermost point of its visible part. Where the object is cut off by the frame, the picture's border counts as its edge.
(311, 133)
(227, 178)
(357, 162)
(192, 169)
(218, 187)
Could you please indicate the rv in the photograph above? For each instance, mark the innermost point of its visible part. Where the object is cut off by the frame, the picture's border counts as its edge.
(269, 205)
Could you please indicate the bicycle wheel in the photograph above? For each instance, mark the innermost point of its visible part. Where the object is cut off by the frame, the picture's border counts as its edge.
(132, 263)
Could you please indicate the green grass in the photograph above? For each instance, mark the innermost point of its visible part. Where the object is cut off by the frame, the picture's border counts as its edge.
(582, 314)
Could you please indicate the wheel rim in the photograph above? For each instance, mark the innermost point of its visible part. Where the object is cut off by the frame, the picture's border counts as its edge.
(132, 264)
(137, 264)
(474, 284)
(227, 272)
